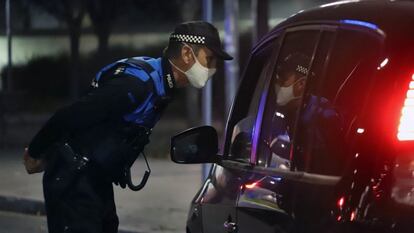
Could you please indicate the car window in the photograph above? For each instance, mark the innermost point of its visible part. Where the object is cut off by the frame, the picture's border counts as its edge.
(332, 107)
(289, 78)
(243, 130)
(241, 140)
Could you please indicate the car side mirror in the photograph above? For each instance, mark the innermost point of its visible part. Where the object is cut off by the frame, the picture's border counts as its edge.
(196, 145)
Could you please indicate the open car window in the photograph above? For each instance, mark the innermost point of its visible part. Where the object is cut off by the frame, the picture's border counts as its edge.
(243, 130)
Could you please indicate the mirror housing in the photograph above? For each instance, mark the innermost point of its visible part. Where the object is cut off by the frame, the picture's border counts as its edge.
(195, 146)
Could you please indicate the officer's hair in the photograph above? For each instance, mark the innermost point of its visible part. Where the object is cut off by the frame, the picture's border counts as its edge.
(173, 50)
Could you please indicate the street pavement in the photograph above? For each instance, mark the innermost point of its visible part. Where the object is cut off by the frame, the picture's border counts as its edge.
(11, 222)
(161, 207)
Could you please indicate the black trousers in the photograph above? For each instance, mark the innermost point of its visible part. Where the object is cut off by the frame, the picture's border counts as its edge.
(78, 202)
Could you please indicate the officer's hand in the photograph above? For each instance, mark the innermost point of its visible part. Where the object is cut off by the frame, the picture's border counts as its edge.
(121, 180)
(32, 165)
(120, 183)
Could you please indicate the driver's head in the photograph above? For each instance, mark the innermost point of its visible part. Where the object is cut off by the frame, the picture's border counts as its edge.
(291, 78)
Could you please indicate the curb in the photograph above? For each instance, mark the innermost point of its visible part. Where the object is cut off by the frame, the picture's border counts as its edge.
(31, 207)
(22, 205)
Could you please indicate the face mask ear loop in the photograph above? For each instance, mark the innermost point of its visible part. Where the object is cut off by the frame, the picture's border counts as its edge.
(297, 97)
(192, 51)
(298, 80)
(176, 66)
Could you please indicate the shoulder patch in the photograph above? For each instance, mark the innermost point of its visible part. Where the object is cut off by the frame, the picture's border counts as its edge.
(119, 70)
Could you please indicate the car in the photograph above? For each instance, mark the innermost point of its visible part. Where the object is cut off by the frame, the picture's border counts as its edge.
(320, 137)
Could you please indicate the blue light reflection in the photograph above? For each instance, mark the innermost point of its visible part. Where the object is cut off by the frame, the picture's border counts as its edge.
(360, 23)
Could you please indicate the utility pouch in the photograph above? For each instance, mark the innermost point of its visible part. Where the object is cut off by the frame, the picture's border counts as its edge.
(76, 163)
(132, 148)
(63, 169)
(117, 151)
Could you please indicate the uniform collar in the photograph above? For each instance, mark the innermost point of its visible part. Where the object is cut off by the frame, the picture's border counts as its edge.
(168, 77)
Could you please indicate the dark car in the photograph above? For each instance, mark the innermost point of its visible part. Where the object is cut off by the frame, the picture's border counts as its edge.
(321, 133)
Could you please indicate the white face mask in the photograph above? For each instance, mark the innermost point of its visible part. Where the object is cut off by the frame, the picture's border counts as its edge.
(285, 94)
(197, 75)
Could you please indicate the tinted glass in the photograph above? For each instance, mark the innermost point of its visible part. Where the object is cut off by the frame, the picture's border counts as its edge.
(289, 77)
(333, 106)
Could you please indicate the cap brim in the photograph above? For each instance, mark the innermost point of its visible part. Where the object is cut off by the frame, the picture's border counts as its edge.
(221, 54)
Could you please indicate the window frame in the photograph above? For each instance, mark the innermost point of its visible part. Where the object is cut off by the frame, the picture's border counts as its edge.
(234, 115)
(333, 27)
(378, 34)
(259, 121)
(341, 27)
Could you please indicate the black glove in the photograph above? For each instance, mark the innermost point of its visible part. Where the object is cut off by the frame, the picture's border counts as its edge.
(122, 179)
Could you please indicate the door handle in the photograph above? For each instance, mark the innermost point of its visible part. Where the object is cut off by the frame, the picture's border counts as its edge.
(230, 227)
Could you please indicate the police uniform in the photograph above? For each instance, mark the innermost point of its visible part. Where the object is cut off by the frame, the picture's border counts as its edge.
(123, 93)
(78, 141)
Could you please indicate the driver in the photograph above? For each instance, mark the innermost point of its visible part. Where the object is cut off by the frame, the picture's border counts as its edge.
(289, 87)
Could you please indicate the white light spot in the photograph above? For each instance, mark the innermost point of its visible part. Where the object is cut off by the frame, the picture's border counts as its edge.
(360, 130)
(384, 63)
(280, 115)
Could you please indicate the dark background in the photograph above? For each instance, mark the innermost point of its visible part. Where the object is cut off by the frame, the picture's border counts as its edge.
(59, 45)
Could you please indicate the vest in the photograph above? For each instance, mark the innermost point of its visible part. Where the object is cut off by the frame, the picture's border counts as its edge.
(145, 69)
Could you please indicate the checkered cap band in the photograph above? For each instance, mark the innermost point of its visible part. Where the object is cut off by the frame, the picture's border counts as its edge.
(301, 69)
(188, 38)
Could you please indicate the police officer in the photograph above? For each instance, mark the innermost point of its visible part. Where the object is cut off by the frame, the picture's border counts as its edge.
(78, 147)
(289, 87)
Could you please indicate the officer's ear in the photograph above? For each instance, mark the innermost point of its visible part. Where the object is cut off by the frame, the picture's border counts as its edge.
(299, 86)
(187, 54)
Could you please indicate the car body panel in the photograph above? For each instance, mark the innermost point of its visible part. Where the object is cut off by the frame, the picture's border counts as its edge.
(374, 193)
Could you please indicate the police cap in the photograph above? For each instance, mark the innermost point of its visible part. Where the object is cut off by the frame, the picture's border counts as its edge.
(200, 33)
(295, 62)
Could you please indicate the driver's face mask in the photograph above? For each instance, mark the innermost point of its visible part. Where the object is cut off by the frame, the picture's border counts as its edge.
(285, 94)
(197, 75)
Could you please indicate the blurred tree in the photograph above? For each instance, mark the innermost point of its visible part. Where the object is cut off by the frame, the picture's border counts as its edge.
(71, 12)
(26, 17)
(172, 10)
(20, 15)
(159, 9)
(190, 10)
(102, 14)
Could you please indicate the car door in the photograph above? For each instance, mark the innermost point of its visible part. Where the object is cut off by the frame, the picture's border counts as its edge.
(329, 128)
(265, 202)
(218, 197)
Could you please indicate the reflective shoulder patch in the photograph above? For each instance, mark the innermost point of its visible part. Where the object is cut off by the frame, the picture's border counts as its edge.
(119, 70)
